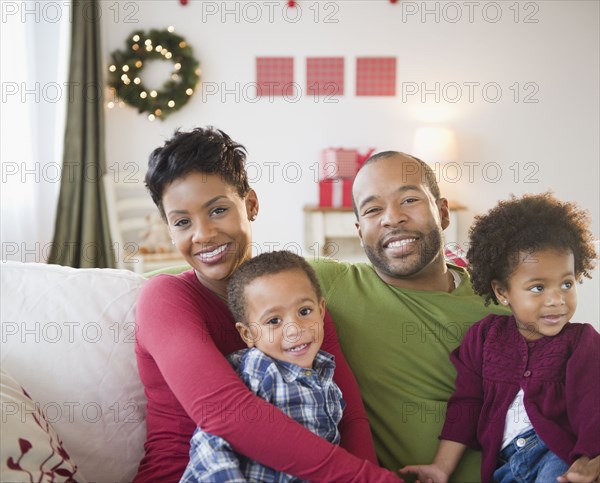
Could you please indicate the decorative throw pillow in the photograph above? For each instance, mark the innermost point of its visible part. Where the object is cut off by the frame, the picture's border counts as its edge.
(68, 338)
(30, 450)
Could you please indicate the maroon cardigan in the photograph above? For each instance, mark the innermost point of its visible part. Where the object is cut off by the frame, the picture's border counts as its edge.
(560, 378)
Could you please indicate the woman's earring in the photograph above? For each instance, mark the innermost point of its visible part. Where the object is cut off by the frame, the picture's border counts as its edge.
(252, 217)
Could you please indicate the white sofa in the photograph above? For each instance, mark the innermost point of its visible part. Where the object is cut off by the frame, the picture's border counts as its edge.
(68, 340)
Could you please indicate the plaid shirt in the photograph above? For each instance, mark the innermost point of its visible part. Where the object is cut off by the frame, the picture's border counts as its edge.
(307, 395)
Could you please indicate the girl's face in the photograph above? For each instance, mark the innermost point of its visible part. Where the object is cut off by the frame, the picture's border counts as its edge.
(210, 225)
(541, 292)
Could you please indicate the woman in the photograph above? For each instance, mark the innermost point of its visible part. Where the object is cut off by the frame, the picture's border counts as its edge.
(184, 330)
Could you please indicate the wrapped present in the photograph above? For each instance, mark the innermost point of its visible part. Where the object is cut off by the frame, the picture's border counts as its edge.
(338, 163)
(362, 157)
(341, 162)
(335, 193)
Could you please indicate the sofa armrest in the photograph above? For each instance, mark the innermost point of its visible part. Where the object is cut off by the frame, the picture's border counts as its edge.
(68, 338)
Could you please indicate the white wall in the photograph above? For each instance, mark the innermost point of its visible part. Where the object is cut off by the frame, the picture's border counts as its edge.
(559, 54)
(552, 45)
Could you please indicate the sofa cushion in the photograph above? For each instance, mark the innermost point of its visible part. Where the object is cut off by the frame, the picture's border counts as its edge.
(68, 338)
(30, 446)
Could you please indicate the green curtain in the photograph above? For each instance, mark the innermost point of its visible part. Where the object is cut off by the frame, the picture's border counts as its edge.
(81, 234)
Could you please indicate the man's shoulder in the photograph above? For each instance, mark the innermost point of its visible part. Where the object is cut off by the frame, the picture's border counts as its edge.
(329, 267)
(326, 265)
(344, 279)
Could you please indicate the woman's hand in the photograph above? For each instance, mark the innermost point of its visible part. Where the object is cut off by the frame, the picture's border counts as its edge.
(426, 473)
(446, 459)
(583, 470)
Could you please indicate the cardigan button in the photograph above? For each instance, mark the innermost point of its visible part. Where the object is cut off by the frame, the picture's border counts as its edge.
(527, 373)
(531, 344)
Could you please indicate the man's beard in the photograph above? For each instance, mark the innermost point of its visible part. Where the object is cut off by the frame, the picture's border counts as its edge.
(430, 247)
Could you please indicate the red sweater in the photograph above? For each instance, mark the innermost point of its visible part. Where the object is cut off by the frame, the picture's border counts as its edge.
(559, 376)
(183, 332)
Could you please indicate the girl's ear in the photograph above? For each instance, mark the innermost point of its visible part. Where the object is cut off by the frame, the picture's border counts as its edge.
(246, 333)
(500, 292)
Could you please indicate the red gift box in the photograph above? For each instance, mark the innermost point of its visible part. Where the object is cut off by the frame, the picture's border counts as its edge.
(341, 162)
(338, 163)
(362, 157)
(335, 193)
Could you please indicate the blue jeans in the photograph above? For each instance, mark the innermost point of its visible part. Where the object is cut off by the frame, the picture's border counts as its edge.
(527, 459)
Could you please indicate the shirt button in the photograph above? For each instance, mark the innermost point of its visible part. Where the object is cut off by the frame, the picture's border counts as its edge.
(521, 442)
(307, 373)
(527, 374)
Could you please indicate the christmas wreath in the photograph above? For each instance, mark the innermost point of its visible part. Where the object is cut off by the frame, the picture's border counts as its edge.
(126, 67)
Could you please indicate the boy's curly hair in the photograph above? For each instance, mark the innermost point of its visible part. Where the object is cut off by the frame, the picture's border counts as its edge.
(269, 263)
(527, 224)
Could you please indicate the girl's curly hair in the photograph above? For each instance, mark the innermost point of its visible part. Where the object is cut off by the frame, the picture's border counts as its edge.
(527, 224)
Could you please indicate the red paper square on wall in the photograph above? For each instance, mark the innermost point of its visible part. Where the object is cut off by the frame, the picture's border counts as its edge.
(274, 76)
(376, 76)
(325, 76)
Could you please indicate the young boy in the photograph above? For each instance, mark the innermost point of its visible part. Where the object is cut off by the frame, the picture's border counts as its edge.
(276, 300)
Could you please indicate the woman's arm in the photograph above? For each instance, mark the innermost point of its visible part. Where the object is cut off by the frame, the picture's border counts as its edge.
(354, 426)
(177, 330)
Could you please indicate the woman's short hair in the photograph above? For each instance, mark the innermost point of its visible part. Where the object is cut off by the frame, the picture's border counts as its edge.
(208, 150)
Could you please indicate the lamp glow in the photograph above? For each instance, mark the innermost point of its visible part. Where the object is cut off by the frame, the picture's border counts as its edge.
(435, 144)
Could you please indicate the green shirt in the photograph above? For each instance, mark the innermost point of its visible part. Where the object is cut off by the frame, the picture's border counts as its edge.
(397, 342)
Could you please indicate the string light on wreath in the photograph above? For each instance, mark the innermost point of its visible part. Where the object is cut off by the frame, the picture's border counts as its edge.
(126, 82)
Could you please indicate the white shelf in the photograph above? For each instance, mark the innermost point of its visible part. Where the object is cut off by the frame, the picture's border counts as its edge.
(332, 232)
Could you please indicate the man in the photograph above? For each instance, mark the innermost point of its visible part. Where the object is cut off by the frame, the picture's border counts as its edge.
(399, 317)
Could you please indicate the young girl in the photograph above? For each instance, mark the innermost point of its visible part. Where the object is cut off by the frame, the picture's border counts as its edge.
(527, 387)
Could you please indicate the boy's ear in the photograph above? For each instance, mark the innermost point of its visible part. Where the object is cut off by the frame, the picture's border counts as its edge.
(500, 292)
(245, 333)
(322, 307)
